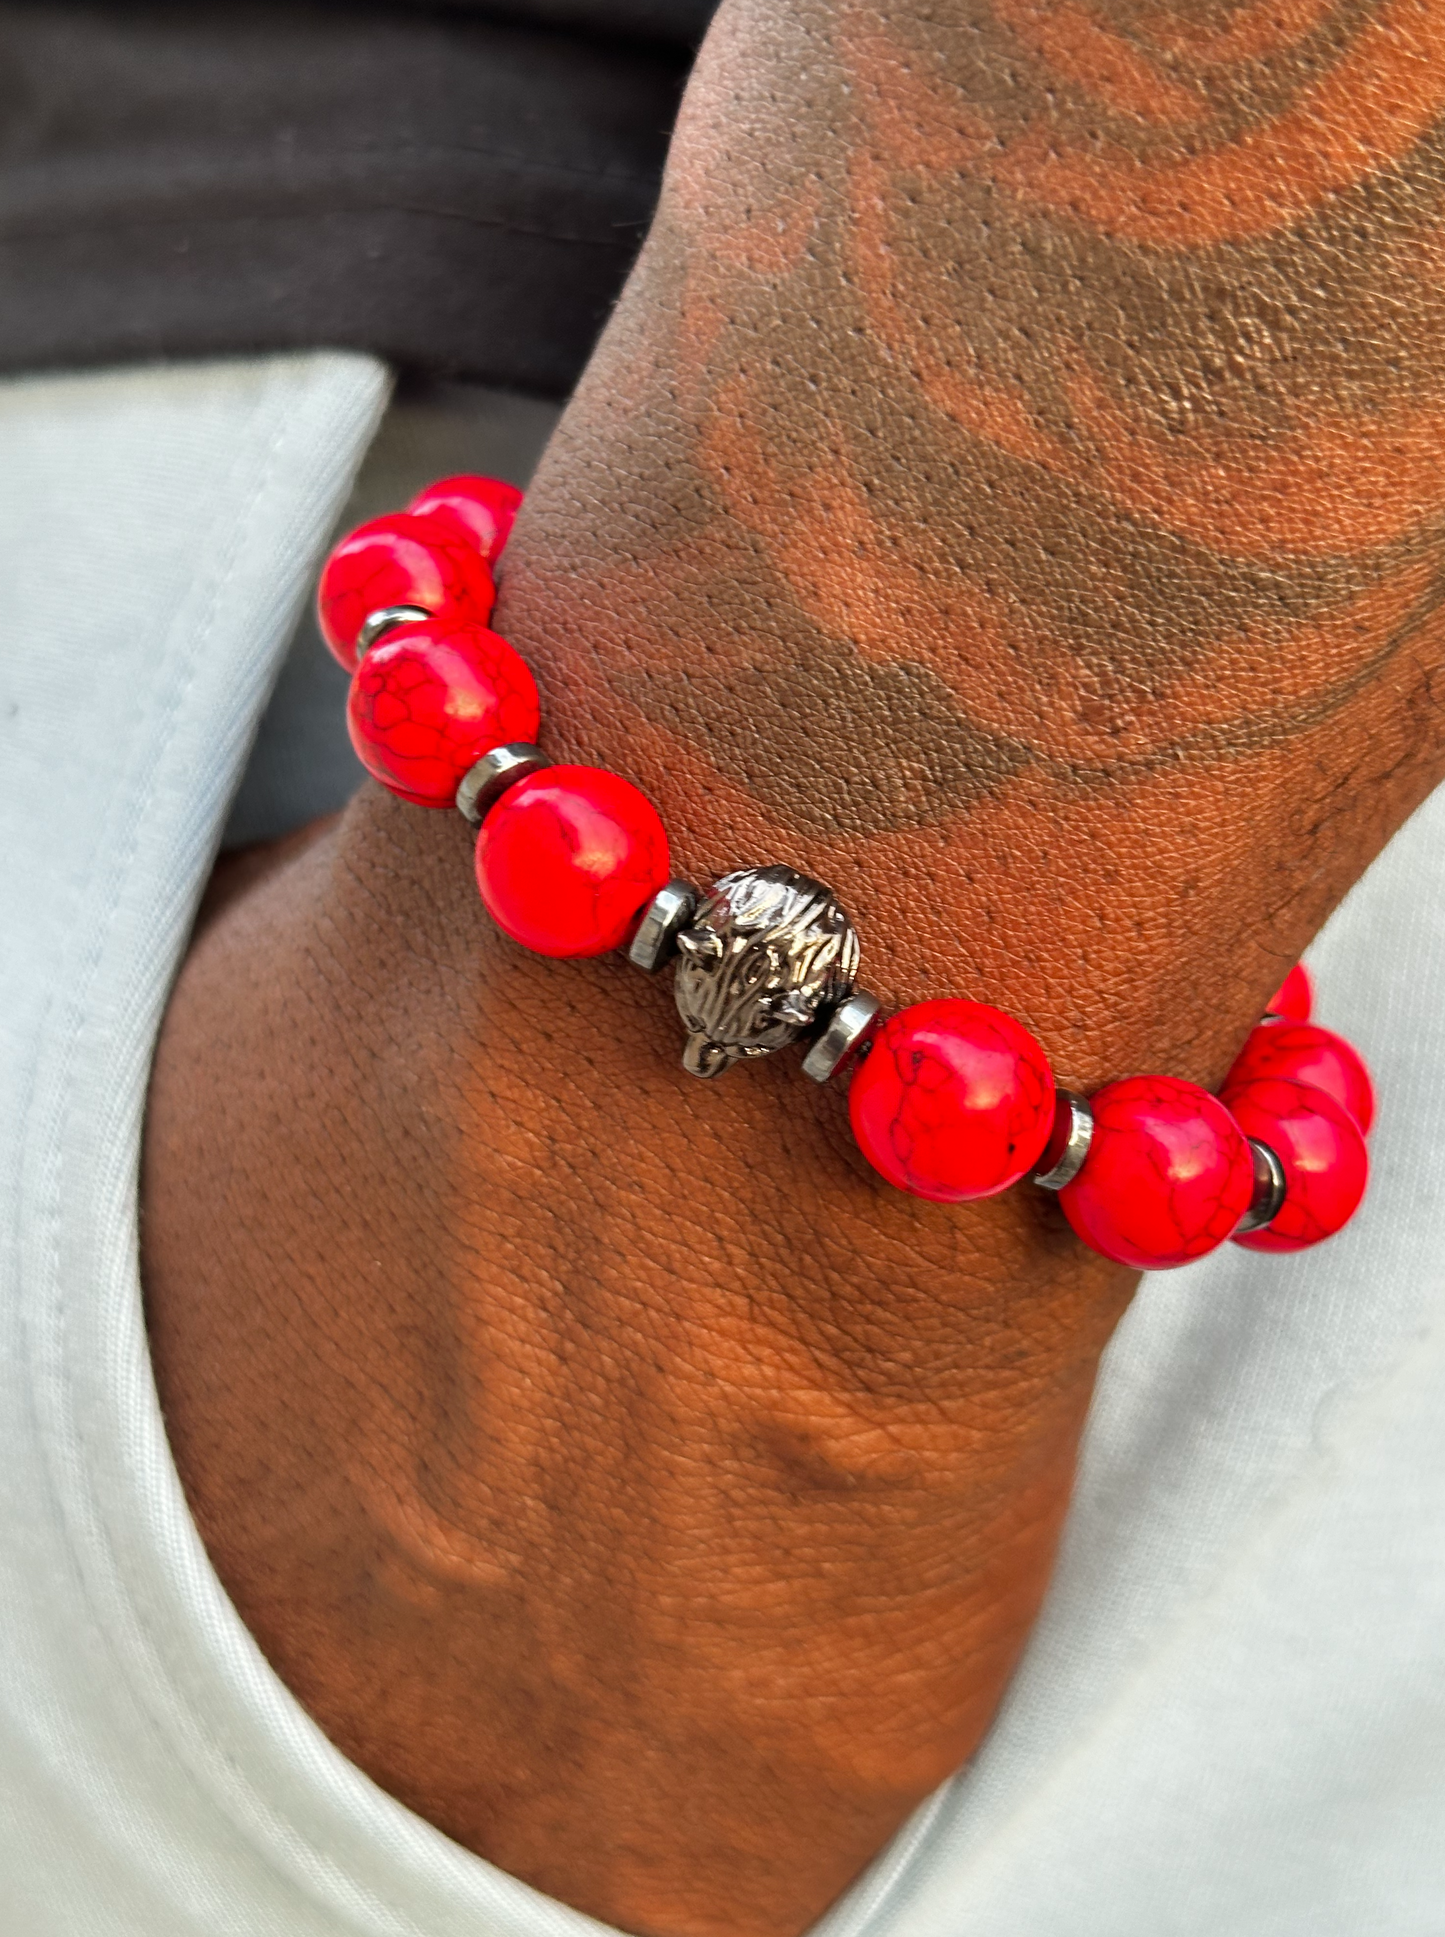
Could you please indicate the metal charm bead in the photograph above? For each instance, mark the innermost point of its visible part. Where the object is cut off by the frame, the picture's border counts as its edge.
(1269, 1189)
(768, 953)
(385, 620)
(483, 785)
(848, 1028)
(669, 910)
(1067, 1147)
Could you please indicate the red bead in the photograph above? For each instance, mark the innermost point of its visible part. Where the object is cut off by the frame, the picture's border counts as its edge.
(1322, 1149)
(1307, 1054)
(430, 699)
(399, 560)
(485, 508)
(1167, 1178)
(568, 858)
(954, 1101)
(1295, 996)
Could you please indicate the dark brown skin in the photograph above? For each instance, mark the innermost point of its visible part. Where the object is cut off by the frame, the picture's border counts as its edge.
(1011, 490)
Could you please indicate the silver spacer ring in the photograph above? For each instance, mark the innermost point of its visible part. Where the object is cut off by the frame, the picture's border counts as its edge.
(483, 785)
(669, 911)
(1068, 1144)
(847, 1031)
(1270, 1185)
(385, 619)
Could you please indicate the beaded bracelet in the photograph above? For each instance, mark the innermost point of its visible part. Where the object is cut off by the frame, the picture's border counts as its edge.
(949, 1099)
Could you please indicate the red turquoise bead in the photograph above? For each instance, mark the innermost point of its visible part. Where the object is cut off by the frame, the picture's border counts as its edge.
(430, 699)
(568, 858)
(1167, 1178)
(485, 508)
(1308, 1054)
(1295, 996)
(954, 1101)
(1322, 1149)
(399, 560)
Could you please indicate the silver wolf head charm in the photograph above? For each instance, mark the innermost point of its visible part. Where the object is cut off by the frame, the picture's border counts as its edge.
(767, 954)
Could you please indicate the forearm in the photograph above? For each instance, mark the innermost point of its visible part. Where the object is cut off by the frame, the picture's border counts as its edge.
(1011, 489)
(1034, 538)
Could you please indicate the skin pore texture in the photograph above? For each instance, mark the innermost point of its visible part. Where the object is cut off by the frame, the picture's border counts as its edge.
(1011, 489)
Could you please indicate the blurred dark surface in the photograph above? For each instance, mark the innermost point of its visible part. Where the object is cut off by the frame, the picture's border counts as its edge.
(458, 188)
(679, 23)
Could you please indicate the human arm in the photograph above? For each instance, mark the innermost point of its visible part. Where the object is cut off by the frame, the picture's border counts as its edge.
(1009, 492)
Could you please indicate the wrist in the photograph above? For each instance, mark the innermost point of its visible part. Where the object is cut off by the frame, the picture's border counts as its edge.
(471, 1310)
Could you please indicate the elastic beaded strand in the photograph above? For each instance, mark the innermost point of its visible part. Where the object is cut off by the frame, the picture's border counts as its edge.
(1322, 1151)
(568, 858)
(949, 1100)
(431, 699)
(1295, 996)
(1167, 1178)
(484, 508)
(399, 560)
(1308, 1054)
(955, 1101)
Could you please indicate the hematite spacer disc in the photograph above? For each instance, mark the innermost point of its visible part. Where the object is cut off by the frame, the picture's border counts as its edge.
(848, 1029)
(669, 911)
(385, 619)
(1269, 1189)
(1068, 1143)
(483, 785)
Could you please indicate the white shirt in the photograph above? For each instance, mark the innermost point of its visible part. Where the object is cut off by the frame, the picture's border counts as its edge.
(1231, 1718)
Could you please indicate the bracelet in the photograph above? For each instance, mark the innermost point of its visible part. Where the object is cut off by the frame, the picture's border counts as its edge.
(949, 1099)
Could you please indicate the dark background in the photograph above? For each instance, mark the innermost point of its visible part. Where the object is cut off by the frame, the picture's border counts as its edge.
(460, 188)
